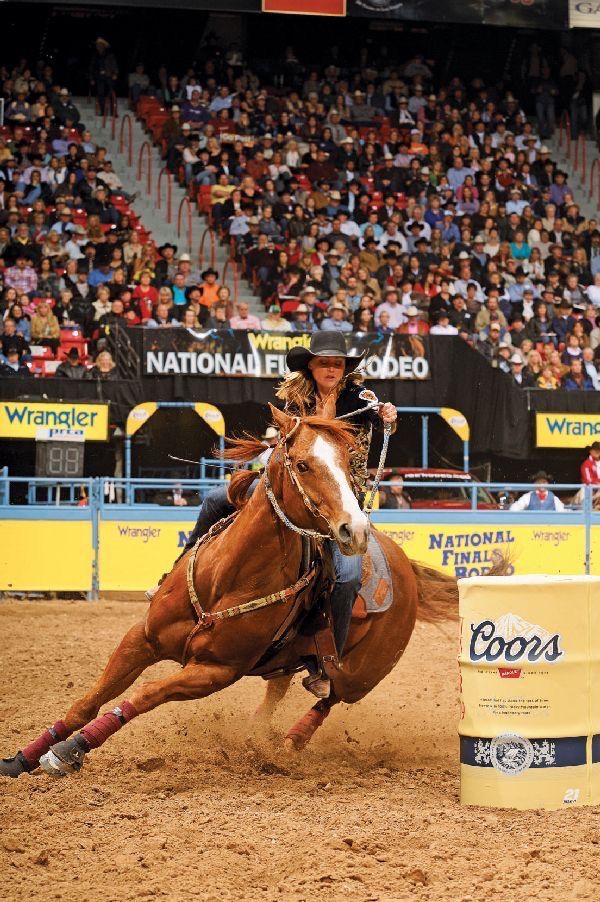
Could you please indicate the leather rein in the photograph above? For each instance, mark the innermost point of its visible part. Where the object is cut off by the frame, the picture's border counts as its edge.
(207, 619)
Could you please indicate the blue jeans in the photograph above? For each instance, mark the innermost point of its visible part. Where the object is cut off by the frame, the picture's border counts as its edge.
(348, 569)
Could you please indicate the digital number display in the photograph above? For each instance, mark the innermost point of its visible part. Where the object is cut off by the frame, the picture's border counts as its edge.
(59, 459)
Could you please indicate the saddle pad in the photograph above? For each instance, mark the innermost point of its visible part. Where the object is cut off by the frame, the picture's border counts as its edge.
(376, 592)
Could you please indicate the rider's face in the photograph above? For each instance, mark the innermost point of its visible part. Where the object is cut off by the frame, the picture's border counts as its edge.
(327, 372)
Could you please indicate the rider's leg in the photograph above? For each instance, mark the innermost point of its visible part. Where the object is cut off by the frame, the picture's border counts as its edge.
(214, 507)
(347, 584)
(348, 571)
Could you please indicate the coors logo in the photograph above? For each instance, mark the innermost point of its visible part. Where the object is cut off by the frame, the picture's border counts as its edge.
(512, 639)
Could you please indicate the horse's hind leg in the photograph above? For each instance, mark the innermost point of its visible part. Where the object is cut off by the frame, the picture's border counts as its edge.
(304, 729)
(131, 657)
(194, 681)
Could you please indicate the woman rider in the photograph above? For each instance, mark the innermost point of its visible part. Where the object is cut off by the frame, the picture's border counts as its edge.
(322, 381)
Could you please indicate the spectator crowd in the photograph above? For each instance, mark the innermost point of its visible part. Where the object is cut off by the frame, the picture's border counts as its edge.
(375, 198)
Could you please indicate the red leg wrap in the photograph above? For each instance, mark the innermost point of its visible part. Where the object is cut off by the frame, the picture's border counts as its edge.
(99, 730)
(34, 751)
(304, 729)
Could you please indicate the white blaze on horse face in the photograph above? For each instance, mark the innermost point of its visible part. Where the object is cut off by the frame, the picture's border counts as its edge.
(327, 454)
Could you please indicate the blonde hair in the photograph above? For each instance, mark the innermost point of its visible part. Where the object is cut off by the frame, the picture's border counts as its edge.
(298, 389)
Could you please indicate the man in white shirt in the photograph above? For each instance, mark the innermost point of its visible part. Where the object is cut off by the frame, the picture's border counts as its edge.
(589, 367)
(541, 499)
(593, 291)
(391, 304)
(392, 233)
(443, 327)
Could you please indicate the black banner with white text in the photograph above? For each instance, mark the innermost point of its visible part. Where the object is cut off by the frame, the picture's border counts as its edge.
(225, 352)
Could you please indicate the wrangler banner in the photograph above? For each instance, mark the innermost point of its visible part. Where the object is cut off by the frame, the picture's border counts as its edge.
(566, 430)
(224, 352)
(137, 546)
(29, 419)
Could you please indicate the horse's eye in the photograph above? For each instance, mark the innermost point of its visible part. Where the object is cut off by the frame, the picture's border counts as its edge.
(302, 467)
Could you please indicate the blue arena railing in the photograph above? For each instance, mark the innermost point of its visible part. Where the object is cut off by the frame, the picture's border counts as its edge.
(41, 499)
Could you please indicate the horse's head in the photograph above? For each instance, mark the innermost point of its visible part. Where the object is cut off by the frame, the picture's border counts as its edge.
(319, 451)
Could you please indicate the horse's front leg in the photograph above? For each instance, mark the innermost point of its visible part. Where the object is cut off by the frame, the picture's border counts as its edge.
(131, 657)
(274, 694)
(194, 681)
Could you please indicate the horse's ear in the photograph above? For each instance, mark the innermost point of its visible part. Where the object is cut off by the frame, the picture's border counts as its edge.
(283, 422)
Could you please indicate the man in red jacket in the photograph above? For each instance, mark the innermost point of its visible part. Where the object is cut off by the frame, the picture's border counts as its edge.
(590, 468)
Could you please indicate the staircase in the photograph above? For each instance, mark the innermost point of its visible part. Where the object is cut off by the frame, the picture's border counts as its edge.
(146, 203)
(577, 159)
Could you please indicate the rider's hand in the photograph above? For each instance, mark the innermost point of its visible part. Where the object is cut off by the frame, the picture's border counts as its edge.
(388, 413)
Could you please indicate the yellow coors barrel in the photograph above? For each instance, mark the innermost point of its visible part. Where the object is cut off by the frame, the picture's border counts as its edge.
(530, 691)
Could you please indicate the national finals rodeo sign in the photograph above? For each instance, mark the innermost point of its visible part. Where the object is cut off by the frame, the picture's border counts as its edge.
(225, 352)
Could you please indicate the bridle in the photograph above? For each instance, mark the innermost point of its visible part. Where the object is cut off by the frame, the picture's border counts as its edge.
(307, 533)
(309, 504)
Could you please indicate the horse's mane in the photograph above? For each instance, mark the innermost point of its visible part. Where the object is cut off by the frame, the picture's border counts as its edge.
(247, 447)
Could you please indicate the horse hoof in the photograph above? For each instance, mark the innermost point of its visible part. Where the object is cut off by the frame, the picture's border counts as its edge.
(64, 758)
(14, 767)
(291, 746)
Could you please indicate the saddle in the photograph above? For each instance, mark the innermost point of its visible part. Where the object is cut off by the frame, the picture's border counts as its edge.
(310, 616)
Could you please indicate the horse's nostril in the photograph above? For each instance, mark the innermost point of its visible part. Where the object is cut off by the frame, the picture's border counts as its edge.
(345, 532)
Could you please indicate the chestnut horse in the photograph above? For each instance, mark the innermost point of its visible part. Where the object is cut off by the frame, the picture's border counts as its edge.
(254, 558)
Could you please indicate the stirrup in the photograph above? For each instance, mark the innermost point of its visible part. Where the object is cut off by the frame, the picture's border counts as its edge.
(318, 684)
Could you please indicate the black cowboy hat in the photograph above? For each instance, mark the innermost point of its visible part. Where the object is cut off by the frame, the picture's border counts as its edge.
(323, 344)
(541, 474)
(167, 244)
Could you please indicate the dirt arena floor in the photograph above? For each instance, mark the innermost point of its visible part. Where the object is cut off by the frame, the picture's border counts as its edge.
(178, 805)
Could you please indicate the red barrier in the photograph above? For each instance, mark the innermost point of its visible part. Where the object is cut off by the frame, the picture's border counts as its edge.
(565, 128)
(580, 157)
(186, 201)
(213, 247)
(236, 278)
(127, 120)
(595, 168)
(145, 146)
(114, 112)
(165, 171)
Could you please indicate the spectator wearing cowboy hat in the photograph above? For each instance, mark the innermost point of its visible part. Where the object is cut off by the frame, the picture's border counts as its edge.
(11, 364)
(184, 267)
(103, 73)
(336, 319)
(209, 287)
(71, 367)
(520, 377)
(300, 320)
(541, 498)
(166, 265)
(391, 304)
(413, 325)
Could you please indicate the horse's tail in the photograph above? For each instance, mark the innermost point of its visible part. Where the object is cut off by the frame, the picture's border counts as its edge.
(438, 592)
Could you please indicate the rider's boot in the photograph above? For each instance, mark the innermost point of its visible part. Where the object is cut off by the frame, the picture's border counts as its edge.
(342, 601)
(318, 684)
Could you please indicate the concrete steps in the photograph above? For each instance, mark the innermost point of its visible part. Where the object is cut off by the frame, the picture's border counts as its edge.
(146, 204)
(570, 159)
